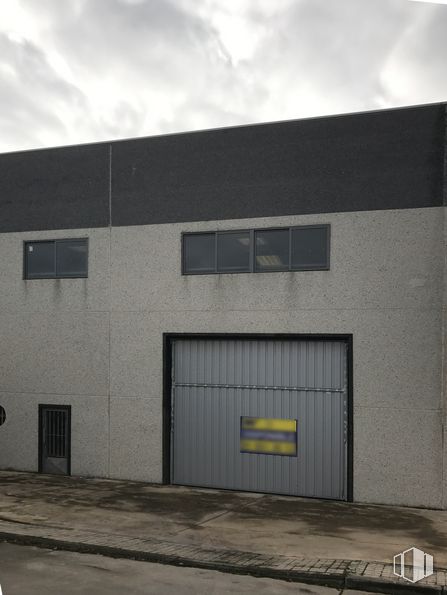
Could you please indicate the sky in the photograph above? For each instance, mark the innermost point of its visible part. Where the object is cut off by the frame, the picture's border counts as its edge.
(76, 71)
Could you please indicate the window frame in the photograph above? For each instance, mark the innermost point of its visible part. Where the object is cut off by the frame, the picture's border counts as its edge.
(278, 269)
(252, 249)
(216, 255)
(53, 241)
(325, 267)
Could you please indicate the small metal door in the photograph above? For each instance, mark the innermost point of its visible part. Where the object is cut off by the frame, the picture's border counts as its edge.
(54, 439)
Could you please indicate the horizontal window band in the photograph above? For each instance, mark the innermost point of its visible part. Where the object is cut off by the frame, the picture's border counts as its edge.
(257, 250)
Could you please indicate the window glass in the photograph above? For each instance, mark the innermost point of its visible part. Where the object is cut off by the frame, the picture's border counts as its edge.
(40, 260)
(233, 251)
(71, 258)
(310, 247)
(259, 250)
(199, 253)
(272, 250)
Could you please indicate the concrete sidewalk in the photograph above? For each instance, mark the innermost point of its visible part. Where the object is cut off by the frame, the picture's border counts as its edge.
(332, 543)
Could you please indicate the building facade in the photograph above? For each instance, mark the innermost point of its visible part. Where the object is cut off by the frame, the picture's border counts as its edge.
(259, 308)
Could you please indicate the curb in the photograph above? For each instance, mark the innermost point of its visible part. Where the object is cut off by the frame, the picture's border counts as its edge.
(173, 560)
(338, 578)
(395, 588)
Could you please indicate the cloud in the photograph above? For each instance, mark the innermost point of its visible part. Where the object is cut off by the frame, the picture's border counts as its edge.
(89, 70)
(417, 65)
(431, 1)
(33, 97)
(326, 57)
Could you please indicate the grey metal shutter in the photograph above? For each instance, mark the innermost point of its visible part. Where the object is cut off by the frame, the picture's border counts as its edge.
(215, 382)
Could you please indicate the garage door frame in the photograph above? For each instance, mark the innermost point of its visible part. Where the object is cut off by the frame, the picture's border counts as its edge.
(168, 339)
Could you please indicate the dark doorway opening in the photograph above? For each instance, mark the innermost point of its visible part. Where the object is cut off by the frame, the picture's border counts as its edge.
(55, 439)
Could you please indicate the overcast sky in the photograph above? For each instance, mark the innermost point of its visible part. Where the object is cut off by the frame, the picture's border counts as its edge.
(76, 71)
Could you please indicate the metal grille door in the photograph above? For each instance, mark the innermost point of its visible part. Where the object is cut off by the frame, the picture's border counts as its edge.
(55, 439)
(220, 385)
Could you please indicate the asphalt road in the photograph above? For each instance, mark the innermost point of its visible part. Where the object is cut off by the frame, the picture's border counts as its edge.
(33, 571)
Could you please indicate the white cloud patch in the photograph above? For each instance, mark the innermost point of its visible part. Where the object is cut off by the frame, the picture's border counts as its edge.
(431, 1)
(35, 102)
(88, 70)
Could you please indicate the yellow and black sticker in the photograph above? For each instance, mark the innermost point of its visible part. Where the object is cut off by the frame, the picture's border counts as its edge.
(269, 436)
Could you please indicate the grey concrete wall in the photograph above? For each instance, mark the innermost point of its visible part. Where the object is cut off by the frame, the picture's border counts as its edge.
(54, 349)
(89, 432)
(385, 286)
(104, 336)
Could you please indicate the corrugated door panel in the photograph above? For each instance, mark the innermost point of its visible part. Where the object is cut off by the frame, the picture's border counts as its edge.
(215, 382)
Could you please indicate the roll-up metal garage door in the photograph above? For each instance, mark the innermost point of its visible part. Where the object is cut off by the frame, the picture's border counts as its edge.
(221, 387)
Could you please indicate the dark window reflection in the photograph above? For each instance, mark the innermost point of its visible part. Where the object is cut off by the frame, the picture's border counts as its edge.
(272, 250)
(40, 259)
(71, 258)
(233, 251)
(310, 248)
(199, 253)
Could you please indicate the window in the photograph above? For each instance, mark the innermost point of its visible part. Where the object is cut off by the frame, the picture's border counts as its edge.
(304, 248)
(310, 248)
(272, 250)
(233, 252)
(199, 252)
(55, 259)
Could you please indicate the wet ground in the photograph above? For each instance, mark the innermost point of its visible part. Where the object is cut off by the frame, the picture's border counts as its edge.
(250, 522)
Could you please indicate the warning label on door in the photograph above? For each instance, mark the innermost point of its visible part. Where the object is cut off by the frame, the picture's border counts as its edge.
(269, 436)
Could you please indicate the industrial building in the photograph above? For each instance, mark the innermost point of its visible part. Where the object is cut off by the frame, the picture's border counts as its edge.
(256, 308)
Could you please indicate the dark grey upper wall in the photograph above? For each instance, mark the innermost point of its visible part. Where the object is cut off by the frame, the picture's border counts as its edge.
(378, 160)
(63, 188)
(388, 159)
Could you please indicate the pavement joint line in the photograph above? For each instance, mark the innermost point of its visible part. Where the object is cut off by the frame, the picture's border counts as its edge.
(369, 576)
(208, 520)
(230, 510)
